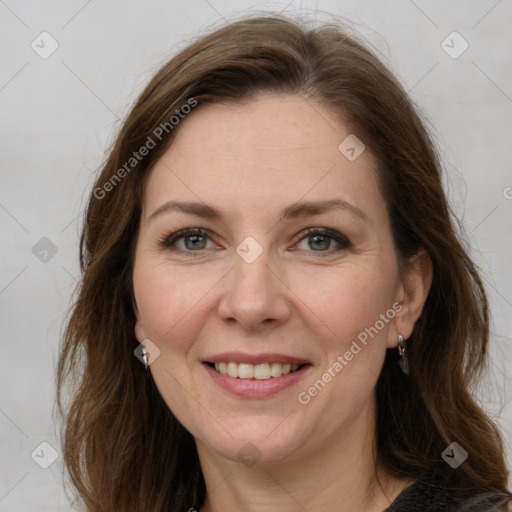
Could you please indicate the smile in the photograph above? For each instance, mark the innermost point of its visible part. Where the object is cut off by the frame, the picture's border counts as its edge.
(261, 371)
(256, 380)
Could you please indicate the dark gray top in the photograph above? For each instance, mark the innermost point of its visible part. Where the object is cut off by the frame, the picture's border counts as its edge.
(427, 494)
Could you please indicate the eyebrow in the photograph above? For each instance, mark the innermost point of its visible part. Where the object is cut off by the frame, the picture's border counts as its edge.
(299, 209)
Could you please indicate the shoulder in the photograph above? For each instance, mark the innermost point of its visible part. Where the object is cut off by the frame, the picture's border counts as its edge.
(428, 494)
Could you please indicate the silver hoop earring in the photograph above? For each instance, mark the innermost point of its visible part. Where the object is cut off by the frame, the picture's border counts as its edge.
(403, 361)
(145, 357)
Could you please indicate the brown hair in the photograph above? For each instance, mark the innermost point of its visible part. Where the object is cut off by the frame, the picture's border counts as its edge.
(123, 448)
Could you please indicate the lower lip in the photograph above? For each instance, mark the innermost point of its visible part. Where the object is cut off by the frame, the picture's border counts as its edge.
(255, 388)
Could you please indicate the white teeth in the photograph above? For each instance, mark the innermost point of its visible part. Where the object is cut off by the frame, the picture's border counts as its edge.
(276, 369)
(233, 369)
(261, 371)
(246, 371)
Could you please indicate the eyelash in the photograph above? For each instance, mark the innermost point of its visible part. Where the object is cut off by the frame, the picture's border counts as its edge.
(168, 241)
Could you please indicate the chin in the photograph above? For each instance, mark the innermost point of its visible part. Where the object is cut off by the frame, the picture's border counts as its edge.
(253, 440)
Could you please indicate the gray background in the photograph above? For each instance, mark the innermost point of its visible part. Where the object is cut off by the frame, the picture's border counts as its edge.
(59, 115)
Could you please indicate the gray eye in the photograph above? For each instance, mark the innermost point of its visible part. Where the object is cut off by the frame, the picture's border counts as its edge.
(317, 243)
(321, 242)
(195, 242)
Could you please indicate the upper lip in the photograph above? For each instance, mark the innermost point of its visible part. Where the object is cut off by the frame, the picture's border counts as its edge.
(240, 357)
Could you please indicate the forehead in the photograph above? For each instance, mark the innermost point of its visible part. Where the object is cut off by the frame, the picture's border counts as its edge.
(272, 150)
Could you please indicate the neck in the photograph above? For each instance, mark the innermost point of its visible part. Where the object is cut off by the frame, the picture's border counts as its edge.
(341, 475)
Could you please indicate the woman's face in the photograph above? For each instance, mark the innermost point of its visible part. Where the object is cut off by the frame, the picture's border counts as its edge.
(276, 278)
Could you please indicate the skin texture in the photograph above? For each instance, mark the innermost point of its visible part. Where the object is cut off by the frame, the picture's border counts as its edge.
(251, 161)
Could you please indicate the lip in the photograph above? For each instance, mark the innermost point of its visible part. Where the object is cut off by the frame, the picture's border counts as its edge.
(254, 388)
(240, 357)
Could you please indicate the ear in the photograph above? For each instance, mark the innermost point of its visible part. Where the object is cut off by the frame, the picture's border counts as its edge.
(139, 328)
(413, 290)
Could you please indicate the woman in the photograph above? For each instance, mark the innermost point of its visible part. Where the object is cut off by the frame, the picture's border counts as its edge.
(276, 312)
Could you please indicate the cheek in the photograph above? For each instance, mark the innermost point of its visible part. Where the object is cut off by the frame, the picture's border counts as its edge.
(171, 303)
(354, 310)
(171, 310)
(346, 300)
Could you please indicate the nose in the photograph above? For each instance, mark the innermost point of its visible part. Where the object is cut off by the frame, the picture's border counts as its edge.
(255, 295)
